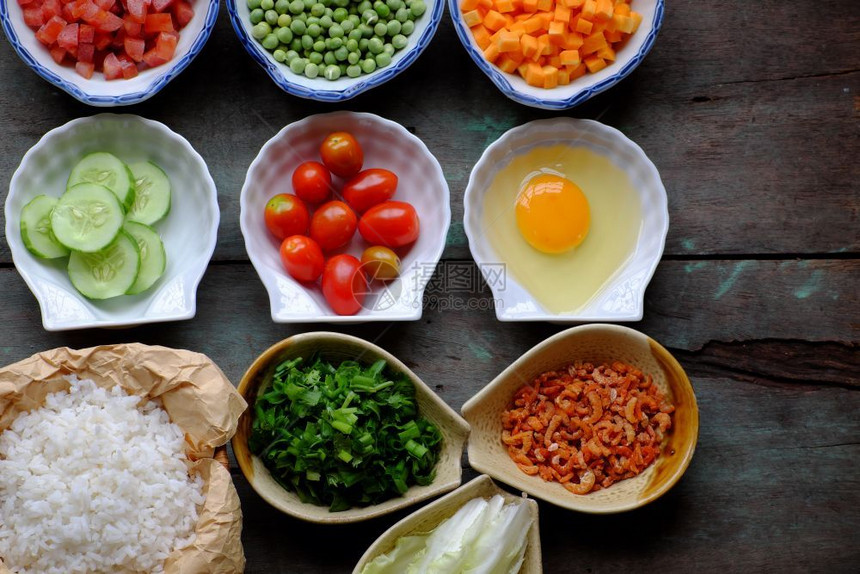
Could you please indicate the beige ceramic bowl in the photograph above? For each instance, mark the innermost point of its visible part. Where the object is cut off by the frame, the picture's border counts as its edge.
(433, 514)
(596, 344)
(336, 348)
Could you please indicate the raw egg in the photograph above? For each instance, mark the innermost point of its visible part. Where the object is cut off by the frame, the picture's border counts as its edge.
(552, 213)
(564, 220)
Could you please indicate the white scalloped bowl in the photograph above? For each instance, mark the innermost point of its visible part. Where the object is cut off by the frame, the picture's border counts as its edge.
(581, 89)
(344, 88)
(189, 231)
(386, 144)
(622, 297)
(97, 91)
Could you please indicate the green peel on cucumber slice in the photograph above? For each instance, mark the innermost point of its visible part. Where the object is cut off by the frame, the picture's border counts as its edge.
(107, 170)
(36, 229)
(109, 272)
(87, 218)
(151, 193)
(153, 259)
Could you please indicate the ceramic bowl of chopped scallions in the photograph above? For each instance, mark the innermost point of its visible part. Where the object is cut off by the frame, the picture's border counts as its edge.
(332, 50)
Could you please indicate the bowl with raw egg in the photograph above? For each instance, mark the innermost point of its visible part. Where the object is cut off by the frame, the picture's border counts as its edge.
(567, 219)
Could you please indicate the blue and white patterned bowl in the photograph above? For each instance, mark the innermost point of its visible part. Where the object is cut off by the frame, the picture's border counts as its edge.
(581, 89)
(97, 91)
(344, 88)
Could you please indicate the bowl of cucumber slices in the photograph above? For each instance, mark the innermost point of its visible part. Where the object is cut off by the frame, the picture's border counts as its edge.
(111, 221)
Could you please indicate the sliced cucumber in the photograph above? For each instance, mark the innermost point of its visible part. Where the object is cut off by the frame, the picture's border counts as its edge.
(151, 193)
(106, 273)
(107, 170)
(153, 259)
(36, 229)
(87, 218)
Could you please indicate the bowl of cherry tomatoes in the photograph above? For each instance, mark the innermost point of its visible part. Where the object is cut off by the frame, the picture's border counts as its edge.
(344, 217)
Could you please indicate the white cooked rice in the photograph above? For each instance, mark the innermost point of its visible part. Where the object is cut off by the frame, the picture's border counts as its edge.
(94, 482)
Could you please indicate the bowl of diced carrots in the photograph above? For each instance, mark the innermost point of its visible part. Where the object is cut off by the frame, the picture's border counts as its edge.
(108, 52)
(556, 54)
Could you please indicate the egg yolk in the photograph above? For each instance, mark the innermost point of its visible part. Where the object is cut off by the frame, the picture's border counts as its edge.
(552, 213)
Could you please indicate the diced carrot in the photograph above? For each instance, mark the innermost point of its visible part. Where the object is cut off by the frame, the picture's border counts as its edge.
(556, 32)
(488, 4)
(569, 57)
(563, 77)
(578, 71)
(544, 45)
(481, 35)
(472, 18)
(622, 9)
(614, 36)
(550, 77)
(589, 9)
(622, 23)
(491, 54)
(532, 25)
(594, 64)
(606, 53)
(572, 41)
(603, 10)
(517, 28)
(545, 5)
(503, 6)
(534, 75)
(530, 6)
(508, 65)
(529, 46)
(468, 5)
(509, 20)
(508, 41)
(562, 13)
(554, 61)
(637, 19)
(573, 3)
(494, 21)
(593, 43)
(583, 26)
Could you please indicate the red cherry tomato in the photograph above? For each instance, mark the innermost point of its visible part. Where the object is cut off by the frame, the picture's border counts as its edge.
(333, 225)
(341, 153)
(392, 224)
(286, 215)
(344, 285)
(302, 258)
(312, 182)
(370, 187)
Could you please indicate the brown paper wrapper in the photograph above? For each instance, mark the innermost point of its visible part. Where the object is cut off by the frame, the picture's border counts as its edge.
(198, 398)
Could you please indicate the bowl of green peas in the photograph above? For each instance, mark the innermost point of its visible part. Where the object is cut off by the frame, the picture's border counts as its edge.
(333, 50)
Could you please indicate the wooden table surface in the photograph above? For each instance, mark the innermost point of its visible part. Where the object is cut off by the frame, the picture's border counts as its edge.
(751, 113)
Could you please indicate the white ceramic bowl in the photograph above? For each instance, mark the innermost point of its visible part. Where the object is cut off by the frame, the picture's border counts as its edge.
(621, 299)
(189, 231)
(386, 144)
(344, 87)
(581, 89)
(96, 91)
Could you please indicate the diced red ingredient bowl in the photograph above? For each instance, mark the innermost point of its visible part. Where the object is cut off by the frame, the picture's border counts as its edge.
(108, 52)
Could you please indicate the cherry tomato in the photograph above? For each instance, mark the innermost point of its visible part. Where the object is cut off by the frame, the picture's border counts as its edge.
(312, 182)
(342, 154)
(370, 187)
(333, 225)
(344, 285)
(392, 224)
(286, 215)
(381, 263)
(302, 258)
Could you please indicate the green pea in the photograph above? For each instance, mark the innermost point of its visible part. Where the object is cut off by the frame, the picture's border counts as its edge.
(393, 28)
(352, 45)
(329, 58)
(342, 68)
(374, 45)
(303, 17)
(271, 17)
(399, 41)
(318, 9)
(315, 58)
(407, 27)
(388, 49)
(380, 29)
(284, 21)
(280, 56)
(312, 20)
(319, 46)
(267, 4)
(395, 5)
(353, 71)
(253, 4)
(369, 17)
(270, 42)
(347, 26)
(333, 43)
(261, 30)
(331, 72)
(297, 7)
(298, 65)
(312, 70)
(383, 59)
(341, 54)
(368, 65)
(364, 6)
(291, 55)
(307, 42)
(355, 19)
(362, 45)
(298, 27)
(296, 44)
(417, 8)
(355, 35)
(326, 22)
(382, 9)
(341, 3)
(328, 11)
(353, 57)
(282, 6)
(314, 30)
(285, 35)
(309, 4)
(257, 15)
(366, 31)
(336, 31)
(402, 15)
(340, 15)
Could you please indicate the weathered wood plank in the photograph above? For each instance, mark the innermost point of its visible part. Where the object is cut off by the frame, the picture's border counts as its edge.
(746, 163)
